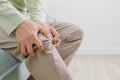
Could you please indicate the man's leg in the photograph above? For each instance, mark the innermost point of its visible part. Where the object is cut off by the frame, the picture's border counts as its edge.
(71, 37)
(49, 66)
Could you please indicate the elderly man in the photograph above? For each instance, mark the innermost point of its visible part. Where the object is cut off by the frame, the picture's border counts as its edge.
(46, 47)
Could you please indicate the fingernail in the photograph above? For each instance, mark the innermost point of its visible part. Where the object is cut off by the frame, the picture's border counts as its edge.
(42, 48)
(47, 36)
(33, 55)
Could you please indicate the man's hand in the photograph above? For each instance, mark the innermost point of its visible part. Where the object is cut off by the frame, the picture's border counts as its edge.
(56, 38)
(26, 36)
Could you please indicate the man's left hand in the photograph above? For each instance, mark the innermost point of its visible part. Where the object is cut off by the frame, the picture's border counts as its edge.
(56, 37)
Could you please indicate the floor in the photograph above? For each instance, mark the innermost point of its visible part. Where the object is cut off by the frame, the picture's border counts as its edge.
(95, 67)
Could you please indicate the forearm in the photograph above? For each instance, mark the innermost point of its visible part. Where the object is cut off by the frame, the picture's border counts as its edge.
(10, 17)
(37, 9)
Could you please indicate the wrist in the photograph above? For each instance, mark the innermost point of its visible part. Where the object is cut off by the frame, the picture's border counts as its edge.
(27, 24)
(41, 23)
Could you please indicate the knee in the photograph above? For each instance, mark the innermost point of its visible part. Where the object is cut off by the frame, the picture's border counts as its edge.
(79, 33)
(43, 39)
(47, 42)
(76, 34)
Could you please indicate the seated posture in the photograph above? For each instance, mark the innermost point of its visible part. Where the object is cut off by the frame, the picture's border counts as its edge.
(46, 47)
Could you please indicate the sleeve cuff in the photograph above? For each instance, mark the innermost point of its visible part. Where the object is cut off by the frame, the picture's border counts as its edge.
(15, 23)
(38, 17)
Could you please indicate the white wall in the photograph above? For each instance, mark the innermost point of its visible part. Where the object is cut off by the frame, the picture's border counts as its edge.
(100, 20)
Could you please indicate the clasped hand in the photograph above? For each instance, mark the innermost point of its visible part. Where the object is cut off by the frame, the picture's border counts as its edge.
(26, 36)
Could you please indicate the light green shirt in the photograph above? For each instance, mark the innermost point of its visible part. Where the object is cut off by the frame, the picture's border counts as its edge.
(15, 12)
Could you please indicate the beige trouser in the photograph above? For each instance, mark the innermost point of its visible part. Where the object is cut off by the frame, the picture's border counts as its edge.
(52, 63)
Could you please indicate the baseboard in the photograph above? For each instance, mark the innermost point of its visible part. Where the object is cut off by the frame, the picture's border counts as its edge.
(98, 51)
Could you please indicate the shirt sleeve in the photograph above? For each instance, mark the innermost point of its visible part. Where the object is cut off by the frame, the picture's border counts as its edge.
(37, 9)
(10, 17)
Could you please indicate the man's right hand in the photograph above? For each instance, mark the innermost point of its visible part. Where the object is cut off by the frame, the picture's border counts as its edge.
(26, 36)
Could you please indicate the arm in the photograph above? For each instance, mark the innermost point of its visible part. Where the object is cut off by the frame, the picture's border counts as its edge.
(37, 9)
(10, 17)
(12, 20)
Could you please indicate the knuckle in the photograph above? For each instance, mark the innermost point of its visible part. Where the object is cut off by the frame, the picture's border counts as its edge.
(18, 43)
(40, 46)
(59, 40)
(58, 35)
(23, 52)
(36, 38)
(31, 36)
(30, 51)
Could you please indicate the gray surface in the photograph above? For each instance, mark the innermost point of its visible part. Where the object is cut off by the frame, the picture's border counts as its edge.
(11, 68)
(6, 61)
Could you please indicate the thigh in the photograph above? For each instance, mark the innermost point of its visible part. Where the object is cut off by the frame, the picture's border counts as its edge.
(8, 43)
(71, 36)
(48, 62)
(67, 30)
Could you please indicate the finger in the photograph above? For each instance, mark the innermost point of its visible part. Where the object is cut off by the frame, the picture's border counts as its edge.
(55, 39)
(23, 49)
(44, 31)
(19, 46)
(57, 43)
(54, 32)
(30, 49)
(39, 44)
